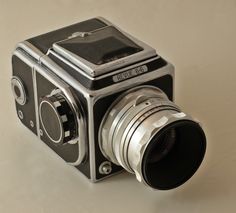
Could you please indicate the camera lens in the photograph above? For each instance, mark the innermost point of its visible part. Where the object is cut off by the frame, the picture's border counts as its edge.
(149, 136)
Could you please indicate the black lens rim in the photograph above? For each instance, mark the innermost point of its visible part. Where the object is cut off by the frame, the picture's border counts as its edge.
(152, 143)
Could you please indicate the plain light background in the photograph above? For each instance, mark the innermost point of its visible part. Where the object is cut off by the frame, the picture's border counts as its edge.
(198, 37)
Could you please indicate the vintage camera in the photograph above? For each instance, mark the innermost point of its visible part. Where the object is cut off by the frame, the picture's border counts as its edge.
(102, 100)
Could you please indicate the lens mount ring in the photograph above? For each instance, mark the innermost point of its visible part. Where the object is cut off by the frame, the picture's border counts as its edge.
(122, 125)
(117, 109)
(126, 127)
(135, 123)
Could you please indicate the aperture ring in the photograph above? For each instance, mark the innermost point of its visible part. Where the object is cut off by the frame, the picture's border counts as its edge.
(134, 124)
(116, 111)
(125, 124)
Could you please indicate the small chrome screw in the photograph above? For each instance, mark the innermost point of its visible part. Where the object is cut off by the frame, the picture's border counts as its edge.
(105, 168)
(41, 132)
(32, 124)
(20, 114)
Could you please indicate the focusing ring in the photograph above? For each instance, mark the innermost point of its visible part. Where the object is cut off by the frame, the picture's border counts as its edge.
(129, 123)
(117, 110)
(134, 124)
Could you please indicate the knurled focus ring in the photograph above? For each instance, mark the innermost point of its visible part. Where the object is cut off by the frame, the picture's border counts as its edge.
(118, 109)
(133, 125)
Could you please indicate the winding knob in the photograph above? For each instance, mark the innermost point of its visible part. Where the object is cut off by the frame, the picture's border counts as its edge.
(57, 118)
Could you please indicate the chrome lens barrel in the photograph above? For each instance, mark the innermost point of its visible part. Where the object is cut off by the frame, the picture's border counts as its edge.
(148, 135)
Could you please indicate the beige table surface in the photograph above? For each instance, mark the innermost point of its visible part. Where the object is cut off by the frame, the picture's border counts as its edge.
(198, 37)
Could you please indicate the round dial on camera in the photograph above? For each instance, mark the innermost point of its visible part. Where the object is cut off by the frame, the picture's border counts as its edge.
(18, 90)
(57, 118)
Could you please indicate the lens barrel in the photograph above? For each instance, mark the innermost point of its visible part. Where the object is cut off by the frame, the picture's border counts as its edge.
(148, 135)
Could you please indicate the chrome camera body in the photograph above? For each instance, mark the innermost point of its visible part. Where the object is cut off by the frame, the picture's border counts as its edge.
(102, 100)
